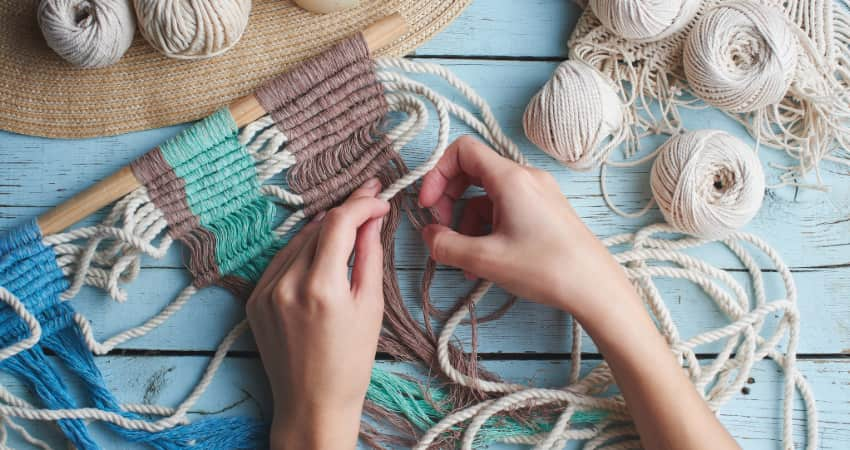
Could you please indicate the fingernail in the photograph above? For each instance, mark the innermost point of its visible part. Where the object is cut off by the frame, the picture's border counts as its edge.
(372, 183)
(318, 217)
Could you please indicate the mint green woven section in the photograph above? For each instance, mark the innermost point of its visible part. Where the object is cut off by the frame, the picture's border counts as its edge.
(223, 191)
(406, 397)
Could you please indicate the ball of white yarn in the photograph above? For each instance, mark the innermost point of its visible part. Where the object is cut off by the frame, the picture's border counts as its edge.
(644, 20)
(573, 114)
(707, 183)
(192, 29)
(87, 33)
(741, 56)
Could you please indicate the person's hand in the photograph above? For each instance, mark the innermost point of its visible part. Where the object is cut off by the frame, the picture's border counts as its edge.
(316, 330)
(539, 249)
(523, 235)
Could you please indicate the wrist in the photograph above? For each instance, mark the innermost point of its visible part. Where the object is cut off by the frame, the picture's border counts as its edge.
(323, 428)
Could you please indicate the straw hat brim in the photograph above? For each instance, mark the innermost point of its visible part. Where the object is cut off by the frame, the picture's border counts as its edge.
(42, 95)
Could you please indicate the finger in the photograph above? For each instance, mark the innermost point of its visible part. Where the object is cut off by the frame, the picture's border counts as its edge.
(473, 254)
(283, 259)
(443, 210)
(444, 206)
(296, 272)
(477, 215)
(476, 218)
(367, 274)
(339, 231)
(465, 157)
(369, 189)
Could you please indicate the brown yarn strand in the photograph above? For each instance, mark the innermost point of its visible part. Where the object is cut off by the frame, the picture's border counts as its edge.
(332, 111)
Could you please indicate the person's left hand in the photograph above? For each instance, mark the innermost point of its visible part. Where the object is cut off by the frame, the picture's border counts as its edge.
(316, 330)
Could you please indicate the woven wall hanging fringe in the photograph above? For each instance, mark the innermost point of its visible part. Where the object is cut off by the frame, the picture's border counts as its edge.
(334, 122)
(785, 77)
(329, 129)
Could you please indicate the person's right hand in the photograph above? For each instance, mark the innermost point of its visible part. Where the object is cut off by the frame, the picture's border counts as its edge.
(538, 247)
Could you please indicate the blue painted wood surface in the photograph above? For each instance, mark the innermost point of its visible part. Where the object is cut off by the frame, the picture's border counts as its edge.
(506, 50)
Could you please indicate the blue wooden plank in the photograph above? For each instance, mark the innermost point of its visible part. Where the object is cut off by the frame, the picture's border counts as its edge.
(507, 28)
(526, 328)
(240, 389)
(809, 228)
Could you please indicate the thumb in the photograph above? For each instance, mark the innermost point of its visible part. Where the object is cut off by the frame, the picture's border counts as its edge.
(472, 254)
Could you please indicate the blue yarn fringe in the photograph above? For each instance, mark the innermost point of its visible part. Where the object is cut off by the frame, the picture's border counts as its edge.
(28, 269)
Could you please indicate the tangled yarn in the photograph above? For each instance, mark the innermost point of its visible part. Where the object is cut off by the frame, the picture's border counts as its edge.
(197, 29)
(573, 114)
(758, 327)
(741, 56)
(87, 33)
(644, 20)
(707, 183)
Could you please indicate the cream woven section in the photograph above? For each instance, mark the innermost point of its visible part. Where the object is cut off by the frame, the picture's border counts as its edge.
(44, 96)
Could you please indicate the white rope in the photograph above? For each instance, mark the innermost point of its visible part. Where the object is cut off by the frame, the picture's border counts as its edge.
(647, 258)
(154, 322)
(174, 417)
(32, 323)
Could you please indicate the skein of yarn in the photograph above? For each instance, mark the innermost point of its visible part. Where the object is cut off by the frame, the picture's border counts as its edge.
(192, 29)
(644, 20)
(87, 33)
(741, 56)
(573, 114)
(707, 183)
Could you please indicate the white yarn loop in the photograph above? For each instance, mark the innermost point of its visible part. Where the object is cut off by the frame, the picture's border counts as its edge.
(573, 115)
(195, 29)
(726, 374)
(644, 20)
(87, 33)
(32, 323)
(741, 56)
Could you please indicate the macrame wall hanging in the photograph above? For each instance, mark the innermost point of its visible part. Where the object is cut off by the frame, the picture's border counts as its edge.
(330, 124)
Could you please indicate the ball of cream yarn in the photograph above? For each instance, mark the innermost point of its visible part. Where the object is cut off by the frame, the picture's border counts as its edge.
(707, 183)
(192, 29)
(87, 33)
(573, 114)
(644, 20)
(741, 56)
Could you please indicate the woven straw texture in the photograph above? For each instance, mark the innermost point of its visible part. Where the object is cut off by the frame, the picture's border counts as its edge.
(42, 95)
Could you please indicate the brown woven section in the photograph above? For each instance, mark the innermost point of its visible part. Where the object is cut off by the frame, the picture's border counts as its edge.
(330, 108)
(168, 192)
(42, 95)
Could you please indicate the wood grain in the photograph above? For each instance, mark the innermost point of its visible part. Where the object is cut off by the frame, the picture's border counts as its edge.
(506, 50)
(240, 389)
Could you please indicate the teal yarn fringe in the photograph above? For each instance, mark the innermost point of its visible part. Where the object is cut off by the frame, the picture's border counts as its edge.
(424, 405)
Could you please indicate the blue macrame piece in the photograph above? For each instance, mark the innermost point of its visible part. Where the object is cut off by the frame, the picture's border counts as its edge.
(28, 270)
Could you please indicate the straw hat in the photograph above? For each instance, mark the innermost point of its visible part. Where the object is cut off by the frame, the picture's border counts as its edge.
(40, 94)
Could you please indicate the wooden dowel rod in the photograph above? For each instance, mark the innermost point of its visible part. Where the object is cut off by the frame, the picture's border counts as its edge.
(89, 201)
(384, 32)
(377, 36)
(244, 111)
